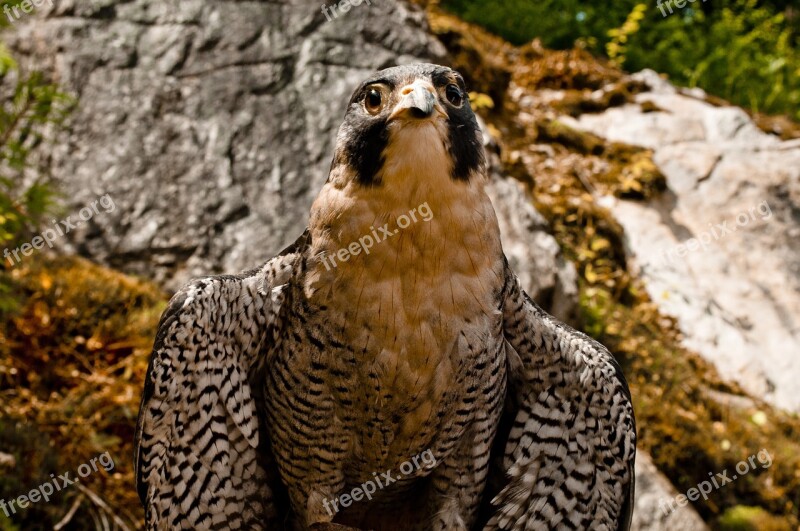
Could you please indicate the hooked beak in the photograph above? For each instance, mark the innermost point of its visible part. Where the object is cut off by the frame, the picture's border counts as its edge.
(418, 101)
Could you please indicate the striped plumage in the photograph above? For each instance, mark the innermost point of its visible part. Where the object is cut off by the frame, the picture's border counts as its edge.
(271, 393)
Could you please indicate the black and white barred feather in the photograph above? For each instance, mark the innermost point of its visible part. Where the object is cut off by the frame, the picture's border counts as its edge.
(199, 455)
(570, 453)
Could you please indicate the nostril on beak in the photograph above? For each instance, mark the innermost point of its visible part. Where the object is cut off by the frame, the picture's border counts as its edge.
(417, 101)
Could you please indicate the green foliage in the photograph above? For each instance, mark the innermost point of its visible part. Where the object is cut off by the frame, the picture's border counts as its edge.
(616, 47)
(558, 23)
(745, 51)
(30, 109)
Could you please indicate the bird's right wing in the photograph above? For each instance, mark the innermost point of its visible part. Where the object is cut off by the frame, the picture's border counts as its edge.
(198, 453)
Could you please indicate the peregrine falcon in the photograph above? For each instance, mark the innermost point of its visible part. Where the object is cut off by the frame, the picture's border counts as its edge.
(376, 373)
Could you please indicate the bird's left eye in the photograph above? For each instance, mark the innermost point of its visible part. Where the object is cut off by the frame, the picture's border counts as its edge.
(454, 95)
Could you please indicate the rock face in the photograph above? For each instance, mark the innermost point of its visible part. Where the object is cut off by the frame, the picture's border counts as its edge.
(656, 505)
(211, 126)
(720, 250)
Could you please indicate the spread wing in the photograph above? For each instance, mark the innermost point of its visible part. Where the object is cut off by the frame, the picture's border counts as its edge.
(569, 454)
(199, 457)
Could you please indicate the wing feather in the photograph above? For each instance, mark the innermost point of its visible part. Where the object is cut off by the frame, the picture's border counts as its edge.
(198, 450)
(569, 454)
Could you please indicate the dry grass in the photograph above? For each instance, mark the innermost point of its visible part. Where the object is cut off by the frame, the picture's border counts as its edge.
(72, 366)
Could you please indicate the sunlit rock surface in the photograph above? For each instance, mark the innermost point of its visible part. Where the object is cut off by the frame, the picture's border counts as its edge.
(719, 251)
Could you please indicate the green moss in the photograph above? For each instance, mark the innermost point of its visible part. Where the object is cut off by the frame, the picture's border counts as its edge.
(632, 174)
(744, 518)
(630, 171)
(554, 131)
(6, 524)
(34, 461)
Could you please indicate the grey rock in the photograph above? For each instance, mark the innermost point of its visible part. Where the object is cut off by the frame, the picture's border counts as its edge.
(657, 508)
(532, 251)
(719, 251)
(211, 125)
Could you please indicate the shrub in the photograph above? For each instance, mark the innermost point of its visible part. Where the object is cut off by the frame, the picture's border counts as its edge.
(744, 54)
(30, 108)
(742, 50)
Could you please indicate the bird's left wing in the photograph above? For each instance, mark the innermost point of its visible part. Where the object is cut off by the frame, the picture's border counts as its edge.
(198, 453)
(569, 453)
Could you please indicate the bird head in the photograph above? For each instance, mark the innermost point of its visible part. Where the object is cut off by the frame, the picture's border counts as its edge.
(409, 145)
(406, 124)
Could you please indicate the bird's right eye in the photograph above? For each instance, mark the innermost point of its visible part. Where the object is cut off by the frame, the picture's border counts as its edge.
(374, 100)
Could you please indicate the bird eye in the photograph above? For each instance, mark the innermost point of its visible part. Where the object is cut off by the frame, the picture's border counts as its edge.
(454, 95)
(374, 100)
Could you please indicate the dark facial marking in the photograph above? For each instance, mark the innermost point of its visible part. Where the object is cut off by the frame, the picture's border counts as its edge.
(466, 148)
(365, 149)
(366, 136)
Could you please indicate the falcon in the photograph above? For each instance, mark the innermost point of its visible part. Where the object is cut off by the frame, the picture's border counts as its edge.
(378, 372)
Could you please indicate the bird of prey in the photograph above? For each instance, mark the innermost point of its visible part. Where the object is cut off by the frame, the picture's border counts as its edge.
(301, 394)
